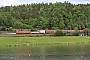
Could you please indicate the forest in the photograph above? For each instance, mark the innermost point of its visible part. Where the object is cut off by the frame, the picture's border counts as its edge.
(53, 16)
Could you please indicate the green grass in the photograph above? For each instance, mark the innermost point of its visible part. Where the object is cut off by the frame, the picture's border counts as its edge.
(12, 41)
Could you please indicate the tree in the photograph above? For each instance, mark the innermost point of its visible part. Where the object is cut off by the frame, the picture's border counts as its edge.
(61, 24)
(46, 16)
(18, 25)
(82, 26)
(69, 27)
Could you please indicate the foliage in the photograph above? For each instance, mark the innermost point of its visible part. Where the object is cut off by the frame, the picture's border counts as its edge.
(76, 33)
(87, 31)
(59, 33)
(46, 16)
(10, 29)
(3, 28)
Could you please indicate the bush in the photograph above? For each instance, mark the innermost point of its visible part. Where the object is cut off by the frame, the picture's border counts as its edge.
(3, 28)
(10, 29)
(76, 33)
(87, 31)
(60, 33)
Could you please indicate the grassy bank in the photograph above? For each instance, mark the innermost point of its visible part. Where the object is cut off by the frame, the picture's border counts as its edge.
(17, 41)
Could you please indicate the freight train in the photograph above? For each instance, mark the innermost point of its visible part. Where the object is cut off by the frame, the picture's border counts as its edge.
(47, 31)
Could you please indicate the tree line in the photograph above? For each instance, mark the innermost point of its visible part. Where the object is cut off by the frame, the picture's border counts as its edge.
(46, 16)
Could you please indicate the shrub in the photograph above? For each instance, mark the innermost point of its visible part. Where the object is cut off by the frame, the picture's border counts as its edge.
(87, 31)
(10, 29)
(3, 28)
(76, 33)
(60, 33)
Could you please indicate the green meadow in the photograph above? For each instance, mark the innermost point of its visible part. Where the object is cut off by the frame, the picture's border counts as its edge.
(17, 41)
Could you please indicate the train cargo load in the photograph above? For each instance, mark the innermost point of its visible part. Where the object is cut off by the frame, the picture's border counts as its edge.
(81, 31)
(64, 31)
(42, 31)
(34, 32)
(73, 31)
(23, 32)
(49, 31)
(69, 31)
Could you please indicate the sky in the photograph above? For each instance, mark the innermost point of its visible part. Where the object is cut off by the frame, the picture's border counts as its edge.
(19, 2)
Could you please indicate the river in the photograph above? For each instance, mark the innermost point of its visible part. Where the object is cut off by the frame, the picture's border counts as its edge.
(46, 52)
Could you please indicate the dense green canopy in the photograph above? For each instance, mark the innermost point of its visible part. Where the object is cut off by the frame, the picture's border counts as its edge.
(46, 16)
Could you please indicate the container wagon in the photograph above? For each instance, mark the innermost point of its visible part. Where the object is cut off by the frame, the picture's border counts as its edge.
(49, 31)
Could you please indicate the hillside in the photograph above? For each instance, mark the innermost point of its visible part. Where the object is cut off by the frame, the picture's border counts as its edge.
(46, 16)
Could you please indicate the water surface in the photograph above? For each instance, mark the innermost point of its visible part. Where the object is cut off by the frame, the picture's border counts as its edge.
(48, 52)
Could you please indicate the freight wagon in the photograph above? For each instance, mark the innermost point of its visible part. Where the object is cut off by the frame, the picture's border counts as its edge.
(42, 31)
(49, 31)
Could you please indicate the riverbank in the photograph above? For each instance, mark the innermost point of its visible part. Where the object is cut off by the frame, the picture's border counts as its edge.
(19, 41)
(25, 35)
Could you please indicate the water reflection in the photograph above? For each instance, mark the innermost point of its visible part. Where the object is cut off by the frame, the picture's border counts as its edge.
(60, 52)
